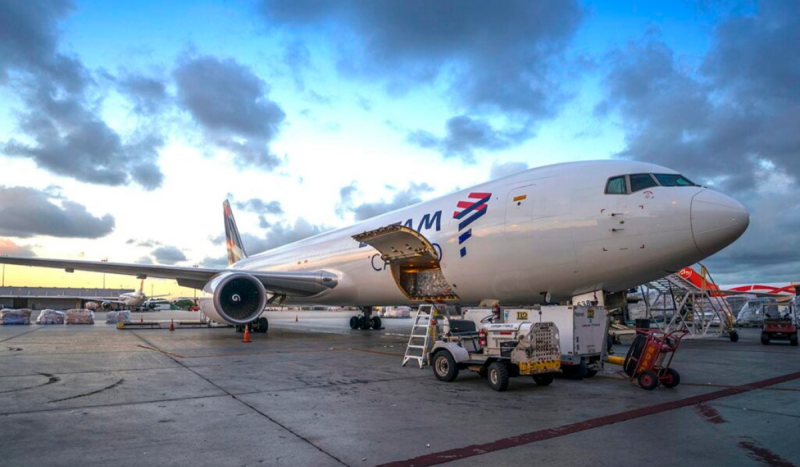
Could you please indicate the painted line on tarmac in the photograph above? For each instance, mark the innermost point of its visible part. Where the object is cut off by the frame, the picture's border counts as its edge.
(168, 354)
(20, 334)
(551, 433)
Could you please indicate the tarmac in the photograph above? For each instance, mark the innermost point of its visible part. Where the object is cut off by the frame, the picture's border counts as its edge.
(315, 393)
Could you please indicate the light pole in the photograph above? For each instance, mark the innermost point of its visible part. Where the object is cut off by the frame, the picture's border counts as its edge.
(104, 274)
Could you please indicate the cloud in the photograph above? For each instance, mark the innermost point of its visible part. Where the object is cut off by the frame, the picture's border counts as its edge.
(168, 255)
(61, 117)
(7, 247)
(465, 135)
(506, 169)
(730, 122)
(493, 58)
(149, 243)
(280, 234)
(259, 206)
(401, 199)
(298, 58)
(148, 94)
(26, 212)
(214, 262)
(144, 260)
(229, 102)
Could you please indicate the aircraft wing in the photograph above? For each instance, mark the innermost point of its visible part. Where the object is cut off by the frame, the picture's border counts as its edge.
(301, 284)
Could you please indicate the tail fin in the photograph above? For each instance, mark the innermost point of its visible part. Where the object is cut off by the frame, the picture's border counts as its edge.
(232, 239)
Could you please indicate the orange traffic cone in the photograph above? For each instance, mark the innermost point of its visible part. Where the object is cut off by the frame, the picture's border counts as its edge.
(246, 338)
(295, 318)
(172, 325)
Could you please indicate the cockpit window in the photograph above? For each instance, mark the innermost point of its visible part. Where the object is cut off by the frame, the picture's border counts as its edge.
(641, 181)
(673, 180)
(617, 186)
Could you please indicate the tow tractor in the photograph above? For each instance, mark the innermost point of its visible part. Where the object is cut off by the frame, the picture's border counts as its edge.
(780, 323)
(497, 351)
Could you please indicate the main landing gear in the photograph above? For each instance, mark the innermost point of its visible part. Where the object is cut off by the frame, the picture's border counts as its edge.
(365, 320)
(259, 325)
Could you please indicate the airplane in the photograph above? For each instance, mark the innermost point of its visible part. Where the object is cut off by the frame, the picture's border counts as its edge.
(772, 289)
(129, 299)
(581, 231)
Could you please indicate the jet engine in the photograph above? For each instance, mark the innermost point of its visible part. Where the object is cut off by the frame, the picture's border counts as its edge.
(237, 298)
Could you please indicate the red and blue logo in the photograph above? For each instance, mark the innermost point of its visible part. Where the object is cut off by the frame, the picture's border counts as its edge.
(471, 210)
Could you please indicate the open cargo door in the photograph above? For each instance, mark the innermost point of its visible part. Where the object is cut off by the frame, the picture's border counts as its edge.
(413, 261)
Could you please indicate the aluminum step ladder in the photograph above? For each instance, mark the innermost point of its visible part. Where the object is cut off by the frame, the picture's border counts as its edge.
(420, 339)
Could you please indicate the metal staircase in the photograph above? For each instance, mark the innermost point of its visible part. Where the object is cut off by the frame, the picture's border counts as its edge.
(679, 304)
(421, 332)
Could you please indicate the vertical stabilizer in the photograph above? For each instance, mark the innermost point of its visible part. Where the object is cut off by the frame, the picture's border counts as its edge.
(232, 239)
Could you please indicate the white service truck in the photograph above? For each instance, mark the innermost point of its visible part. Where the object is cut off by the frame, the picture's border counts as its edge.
(583, 332)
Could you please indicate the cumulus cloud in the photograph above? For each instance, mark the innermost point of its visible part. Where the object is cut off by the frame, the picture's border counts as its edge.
(506, 169)
(465, 135)
(7, 247)
(400, 199)
(168, 255)
(148, 93)
(494, 58)
(730, 122)
(65, 133)
(149, 243)
(260, 206)
(26, 212)
(214, 262)
(229, 102)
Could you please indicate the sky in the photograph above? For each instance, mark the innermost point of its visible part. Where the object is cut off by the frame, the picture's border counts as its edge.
(123, 126)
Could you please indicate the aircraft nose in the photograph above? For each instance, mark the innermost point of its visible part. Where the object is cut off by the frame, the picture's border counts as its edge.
(717, 221)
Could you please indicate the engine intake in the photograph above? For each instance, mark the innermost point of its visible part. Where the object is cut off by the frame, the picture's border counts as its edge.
(238, 298)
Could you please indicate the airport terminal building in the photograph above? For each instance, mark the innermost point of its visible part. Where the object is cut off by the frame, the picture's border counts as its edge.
(56, 298)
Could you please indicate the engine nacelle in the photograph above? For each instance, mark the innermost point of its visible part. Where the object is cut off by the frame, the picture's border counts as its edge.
(237, 298)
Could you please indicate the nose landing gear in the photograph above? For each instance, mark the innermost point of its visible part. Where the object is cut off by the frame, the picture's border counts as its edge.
(365, 320)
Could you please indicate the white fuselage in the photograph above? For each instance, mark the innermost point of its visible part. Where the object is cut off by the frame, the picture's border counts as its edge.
(550, 230)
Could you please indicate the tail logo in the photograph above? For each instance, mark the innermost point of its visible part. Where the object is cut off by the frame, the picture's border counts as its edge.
(471, 210)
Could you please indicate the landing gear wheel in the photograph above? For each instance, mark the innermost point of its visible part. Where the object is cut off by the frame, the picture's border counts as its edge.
(591, 373)
(544, 379)
(498, 376)
(734, 336)
(445, 367)
(354, 322)
(261, 325)
(765, 338)
(364, 323)
(670, 378)
(793, 340)
(376, 323)
(648, 380)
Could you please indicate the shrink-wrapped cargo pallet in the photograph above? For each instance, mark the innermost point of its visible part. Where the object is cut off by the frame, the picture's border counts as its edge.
(9, 316)
(79, 316)
(50, 317)
(122, 316)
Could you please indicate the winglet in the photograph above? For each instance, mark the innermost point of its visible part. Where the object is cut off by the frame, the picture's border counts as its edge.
(232, 239)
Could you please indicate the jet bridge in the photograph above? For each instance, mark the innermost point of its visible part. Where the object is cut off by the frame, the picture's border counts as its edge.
(413, 261)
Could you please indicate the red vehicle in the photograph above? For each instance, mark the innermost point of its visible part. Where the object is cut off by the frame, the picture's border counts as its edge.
(780, 323)
(649, 358)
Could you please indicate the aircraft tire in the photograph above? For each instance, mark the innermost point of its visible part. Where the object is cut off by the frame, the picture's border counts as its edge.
(376, 322)
(354, 322)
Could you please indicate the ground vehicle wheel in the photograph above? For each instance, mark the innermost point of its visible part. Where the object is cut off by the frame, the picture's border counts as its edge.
(444, 366)
(575, 371)
(648, 380)
(670, 378)
(590, 373)
(354, 322)
(544, 379)
(609, 343)
(263, 324)
(765, 338)
(734, 336)
(376, 323)
(793, 340)
(498, 376)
